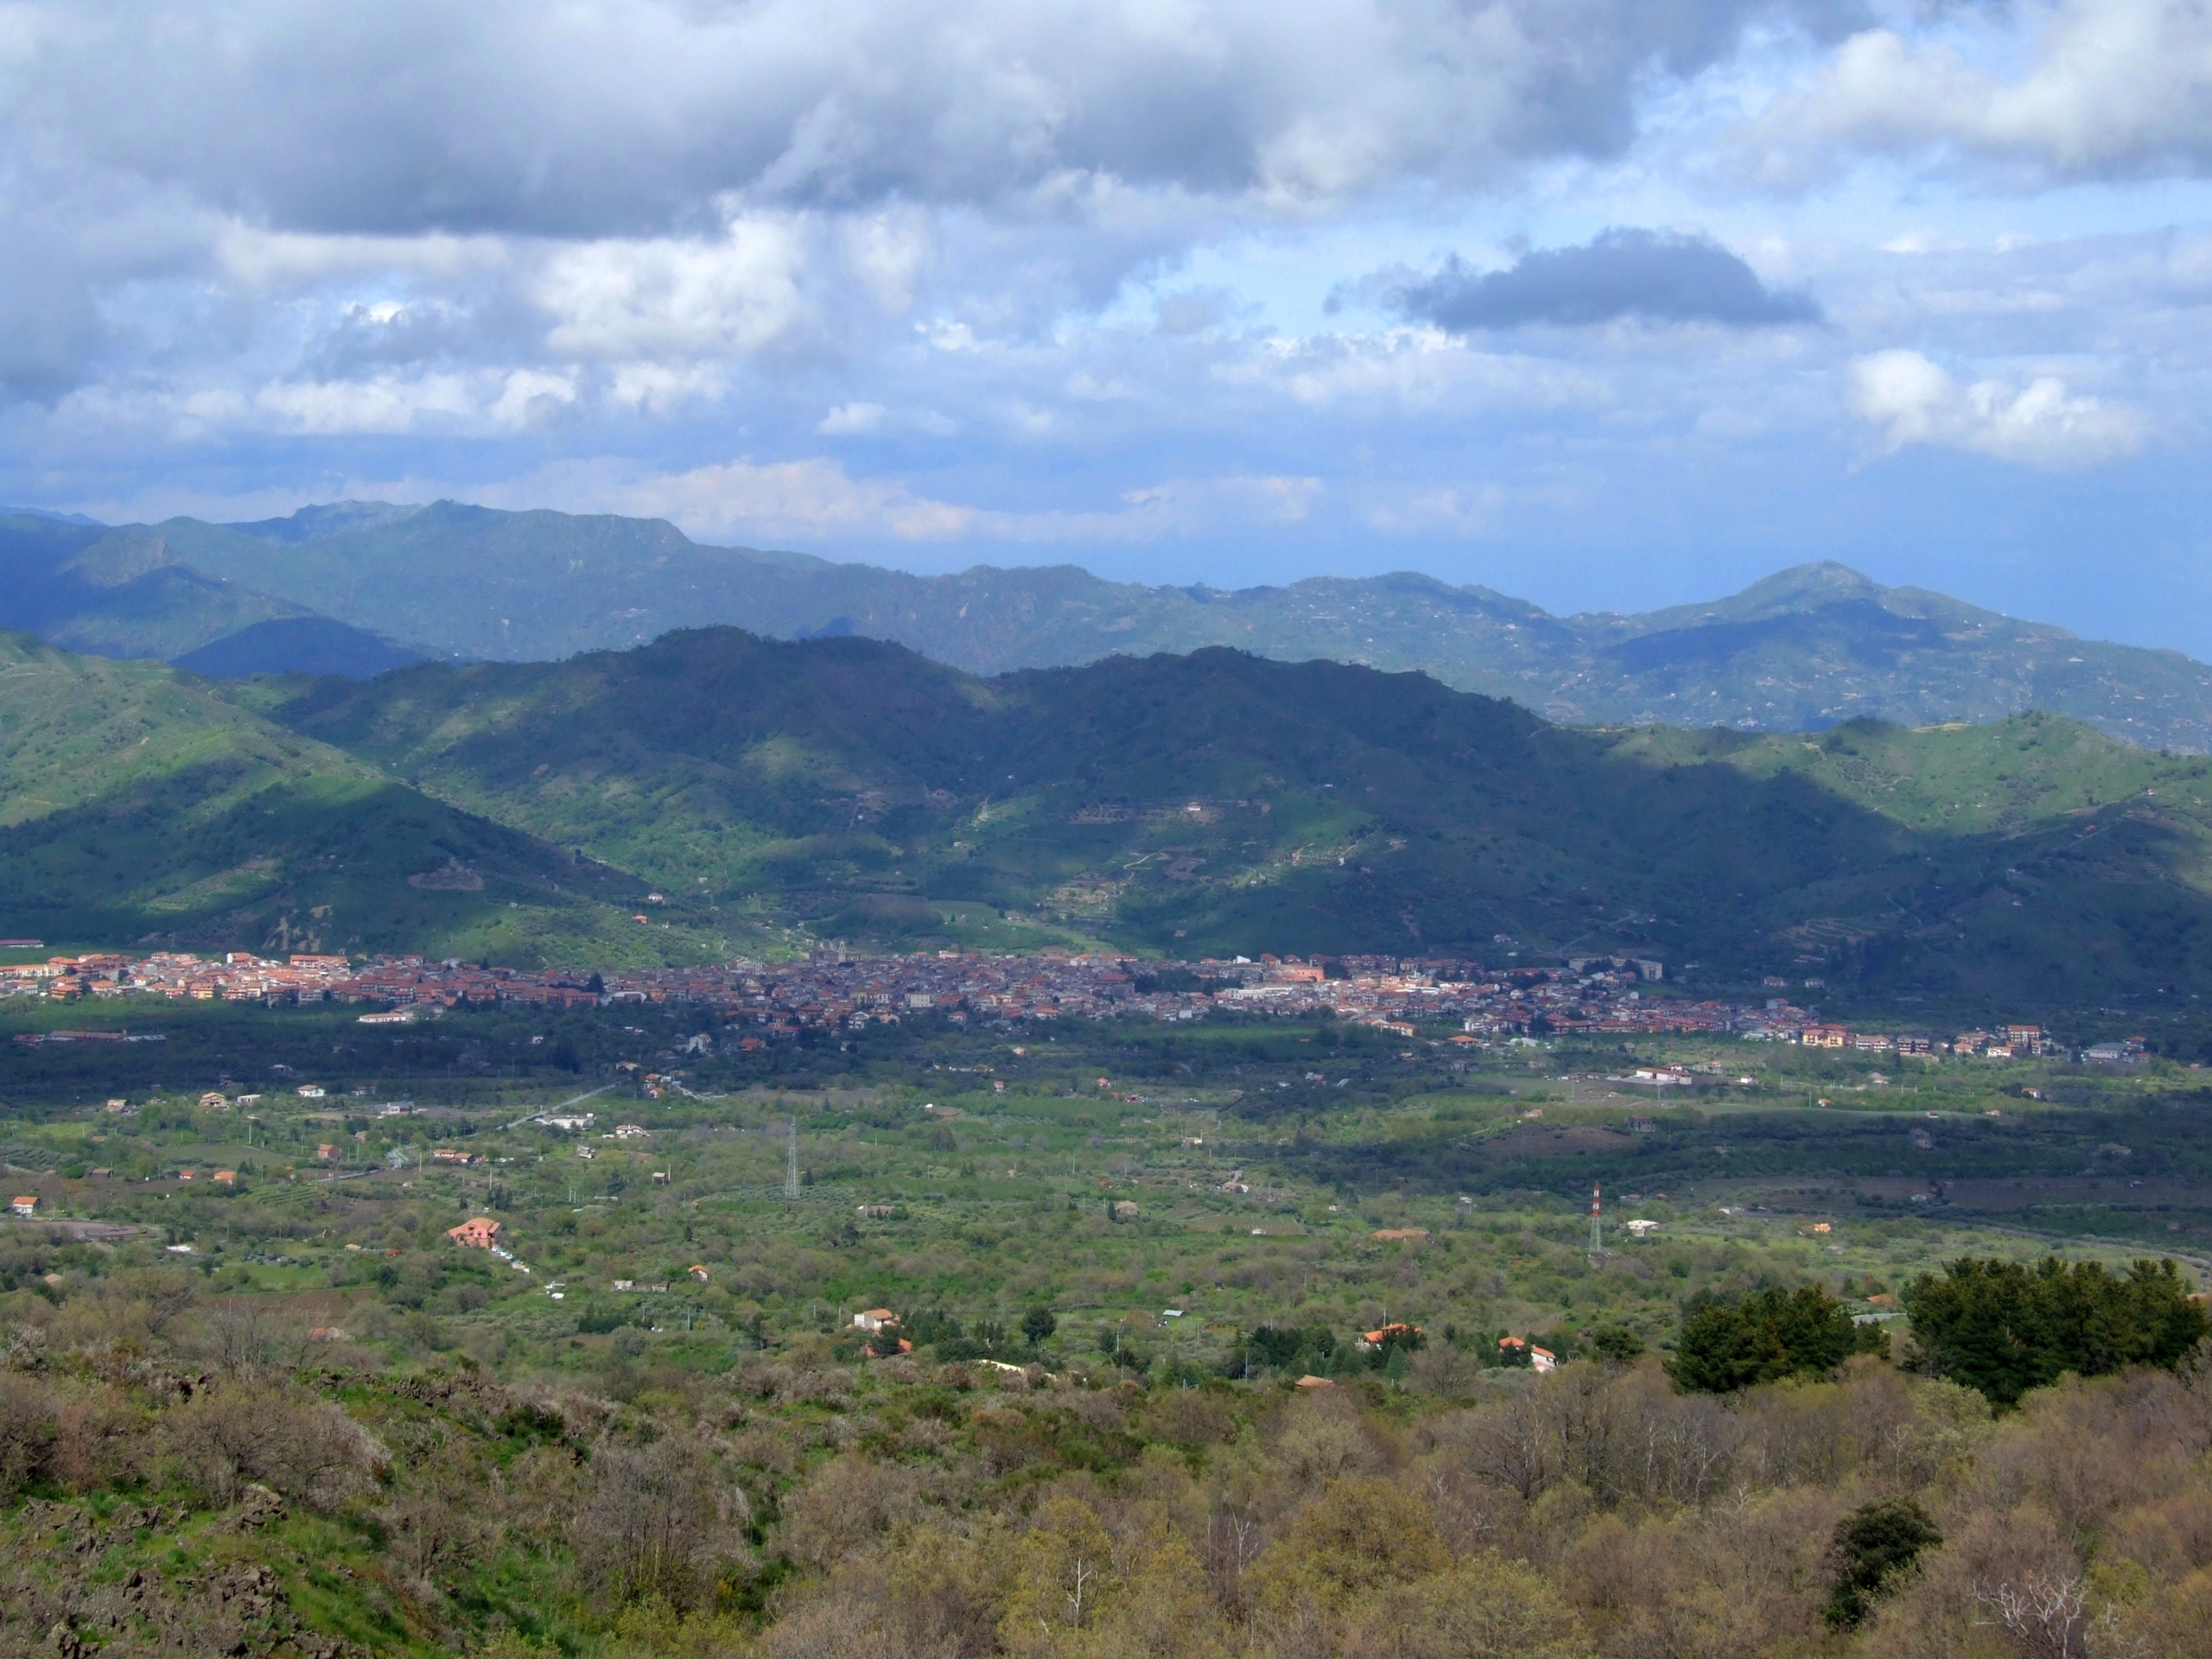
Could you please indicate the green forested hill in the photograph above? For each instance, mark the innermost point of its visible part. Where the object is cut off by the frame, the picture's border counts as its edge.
(1223, 802)
(1803, 650)
(1218, 802)
(137, 804)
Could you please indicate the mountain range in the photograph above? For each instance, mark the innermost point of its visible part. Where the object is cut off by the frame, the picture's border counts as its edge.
(356, 588)
(771, 791)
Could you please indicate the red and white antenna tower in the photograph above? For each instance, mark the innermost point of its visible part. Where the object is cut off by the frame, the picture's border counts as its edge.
(1597, 1224)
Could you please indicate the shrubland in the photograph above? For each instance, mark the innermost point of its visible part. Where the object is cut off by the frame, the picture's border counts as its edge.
(178, 1472)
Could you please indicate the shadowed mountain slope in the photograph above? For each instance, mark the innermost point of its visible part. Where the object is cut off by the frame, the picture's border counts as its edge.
(297, 644)
(1223, 802)
(128, 594)
(116, 594)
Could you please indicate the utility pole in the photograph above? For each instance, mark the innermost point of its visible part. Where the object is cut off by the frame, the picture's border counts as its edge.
(790, 1169)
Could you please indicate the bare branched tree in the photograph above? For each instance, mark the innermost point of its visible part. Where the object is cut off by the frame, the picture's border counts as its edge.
(2044, 1613)
(1515, 1447)
(240, 1433)
(655, 1520)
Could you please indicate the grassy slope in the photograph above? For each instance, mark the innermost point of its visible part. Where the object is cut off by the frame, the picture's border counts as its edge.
(1338, 809)
(135, 804)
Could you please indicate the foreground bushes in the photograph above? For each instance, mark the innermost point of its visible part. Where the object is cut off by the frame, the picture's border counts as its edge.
(796, 1508)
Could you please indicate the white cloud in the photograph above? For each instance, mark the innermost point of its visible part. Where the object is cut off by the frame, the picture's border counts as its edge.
(629, 300)
(798, 500)
(2103, 88)
(401, 403)
(1916, 401)
(818, 500)
(888, 251)
(256, 256)
(1468, 511)
(1267, 500)
(1411, 368)
(851, 420)
(530, 398)
(667, 388)
(387, 404)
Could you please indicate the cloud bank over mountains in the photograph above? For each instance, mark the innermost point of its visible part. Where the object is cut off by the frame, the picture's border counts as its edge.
(1668, 295)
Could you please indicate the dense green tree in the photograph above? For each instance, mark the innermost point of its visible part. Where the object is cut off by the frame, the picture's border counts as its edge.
(2004, 1328)
(1284, 1348)
(1039, 1324)
(1761, 1338)
(1616, 1344)
(1874, 1543)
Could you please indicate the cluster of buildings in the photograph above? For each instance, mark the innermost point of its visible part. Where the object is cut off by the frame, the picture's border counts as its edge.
(237, 977)
(1592, 997)
(2011, 1042)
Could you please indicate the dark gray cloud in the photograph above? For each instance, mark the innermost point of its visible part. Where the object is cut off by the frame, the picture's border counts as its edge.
(623, 117)
(1656, 276)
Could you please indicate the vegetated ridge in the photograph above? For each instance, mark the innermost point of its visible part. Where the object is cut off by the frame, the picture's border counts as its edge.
(1220, 801)
(137, 804)
(1802, 650)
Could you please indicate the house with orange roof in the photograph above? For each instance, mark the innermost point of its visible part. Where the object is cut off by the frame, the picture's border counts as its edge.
(1399, 1332)
(479, 1233)
(1515, 1348)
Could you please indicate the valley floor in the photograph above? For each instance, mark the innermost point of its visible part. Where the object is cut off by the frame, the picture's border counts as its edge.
(258, 1399)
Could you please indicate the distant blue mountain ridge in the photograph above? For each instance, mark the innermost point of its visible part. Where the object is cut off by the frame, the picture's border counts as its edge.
(1803, 650)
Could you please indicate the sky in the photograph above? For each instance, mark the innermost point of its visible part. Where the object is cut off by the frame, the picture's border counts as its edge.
(1604, 303)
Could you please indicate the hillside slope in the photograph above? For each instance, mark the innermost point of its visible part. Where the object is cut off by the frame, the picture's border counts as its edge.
(136, 803)
(1801, 650)
(296, 644)
(128, 594)
(1223, 802)
(118, 594)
